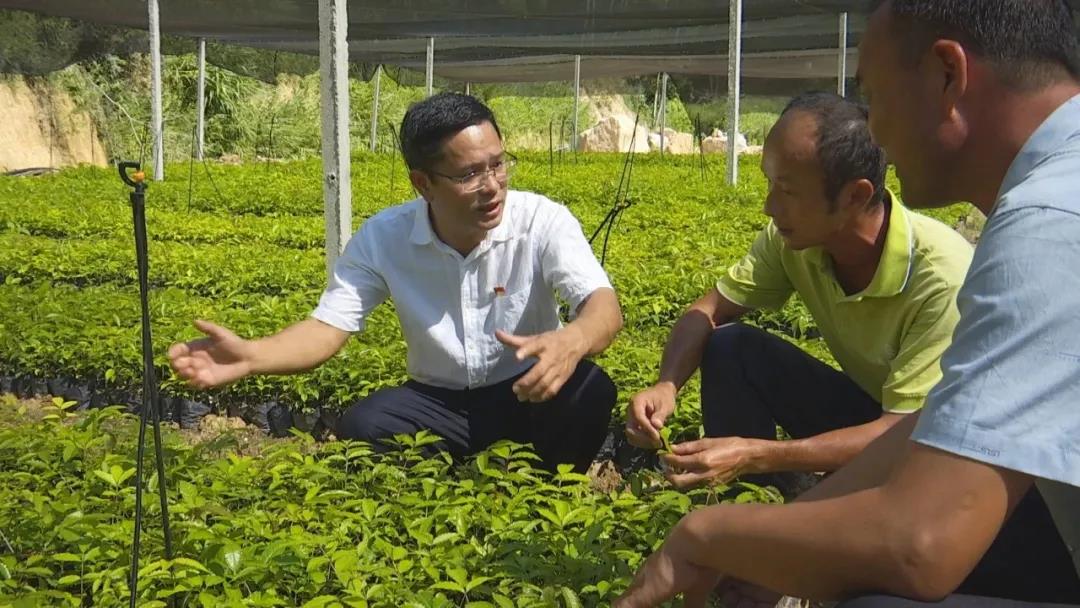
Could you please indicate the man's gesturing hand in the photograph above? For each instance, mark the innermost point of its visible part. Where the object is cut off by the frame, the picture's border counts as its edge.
(557, 354)
(216, 360)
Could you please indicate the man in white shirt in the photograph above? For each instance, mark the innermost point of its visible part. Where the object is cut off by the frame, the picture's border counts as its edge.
(473, 269)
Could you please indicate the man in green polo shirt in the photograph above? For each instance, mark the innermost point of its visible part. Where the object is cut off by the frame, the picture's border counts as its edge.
(879, 280)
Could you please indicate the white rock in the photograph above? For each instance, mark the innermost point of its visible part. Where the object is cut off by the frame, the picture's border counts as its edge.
(717, 143)
(614, 134)
(675, 142)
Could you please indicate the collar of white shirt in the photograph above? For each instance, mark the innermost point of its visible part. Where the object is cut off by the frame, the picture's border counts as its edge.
(423, 233)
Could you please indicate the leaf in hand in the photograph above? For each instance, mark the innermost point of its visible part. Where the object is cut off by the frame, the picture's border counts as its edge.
(665, 440)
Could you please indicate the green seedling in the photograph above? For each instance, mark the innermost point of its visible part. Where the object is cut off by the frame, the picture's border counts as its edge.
(665, 440)
(665, 448)
(59, 409)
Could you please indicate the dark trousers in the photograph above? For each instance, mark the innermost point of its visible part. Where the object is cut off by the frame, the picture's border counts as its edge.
(569, 428)
(752, 382)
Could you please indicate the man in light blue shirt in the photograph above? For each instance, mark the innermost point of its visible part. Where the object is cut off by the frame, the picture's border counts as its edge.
(972, 101)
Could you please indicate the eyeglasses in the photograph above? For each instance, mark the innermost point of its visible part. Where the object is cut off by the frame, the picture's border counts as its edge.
(474, 180)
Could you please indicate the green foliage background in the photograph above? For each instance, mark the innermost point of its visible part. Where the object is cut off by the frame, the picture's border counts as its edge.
(298, 523)
(329, 524)
(253, 119)
(242, 245)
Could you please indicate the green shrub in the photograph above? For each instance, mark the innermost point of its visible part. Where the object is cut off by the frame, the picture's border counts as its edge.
(295, 523)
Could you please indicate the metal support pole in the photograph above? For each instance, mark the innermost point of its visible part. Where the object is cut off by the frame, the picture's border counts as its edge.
(155, 91)
(577, 97)
(430, 77)
(663, 111)
(841, 60)
(375, 108)
(200, 101)
(334, 72)
(468, 88)
(734, 81)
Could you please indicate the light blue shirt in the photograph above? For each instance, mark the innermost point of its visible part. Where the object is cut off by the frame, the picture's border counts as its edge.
(1010, 388)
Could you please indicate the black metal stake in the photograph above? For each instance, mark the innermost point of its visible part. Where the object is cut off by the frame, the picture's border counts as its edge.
(562, 138)
(151, 399)
(700, 133)
(551, 148)
(393, 163)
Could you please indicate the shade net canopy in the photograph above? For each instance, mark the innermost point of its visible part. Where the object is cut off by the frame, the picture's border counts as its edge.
(475, 40)
(787, 45)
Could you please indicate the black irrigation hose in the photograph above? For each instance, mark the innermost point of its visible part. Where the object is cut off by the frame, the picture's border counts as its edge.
(145, 141)
(628, 164)
(393, 162)
(623, 183)
(603, 223)
(607, 235)
(209, 176)
(699, 134)
(615, 215)
(621, 201)
(191, 188)
(151, 399)
(562, 137)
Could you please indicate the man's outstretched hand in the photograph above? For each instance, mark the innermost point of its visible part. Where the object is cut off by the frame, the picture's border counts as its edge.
(220, 358)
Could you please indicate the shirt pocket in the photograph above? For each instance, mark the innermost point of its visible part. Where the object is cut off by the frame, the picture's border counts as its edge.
(506, 310)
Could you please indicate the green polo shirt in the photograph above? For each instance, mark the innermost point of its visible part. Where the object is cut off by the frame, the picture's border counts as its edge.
(887, 338)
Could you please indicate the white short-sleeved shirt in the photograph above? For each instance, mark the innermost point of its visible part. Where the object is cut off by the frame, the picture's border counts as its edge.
(449, 306)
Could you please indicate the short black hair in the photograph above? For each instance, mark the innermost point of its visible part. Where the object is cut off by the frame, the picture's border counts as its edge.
(1030, 43)
(429, 123)
(845, 148)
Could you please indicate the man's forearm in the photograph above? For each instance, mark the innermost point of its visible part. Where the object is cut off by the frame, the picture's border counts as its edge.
(684, 348)
(820, 550)
(825, 452)
(870, 468)
(686, 343)
(597, 322)
(916, 535)
(297, 348)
